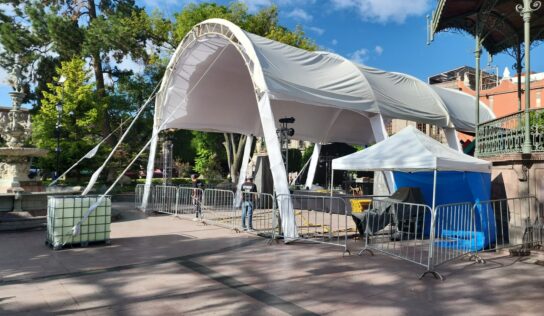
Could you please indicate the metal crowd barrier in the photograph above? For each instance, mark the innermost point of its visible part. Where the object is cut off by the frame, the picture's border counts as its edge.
(513, 222)
(430, 238)
(320, 219)
(263, 220)
(189, 202)
(138, 195)
(398, 229)
(164, 199)
(453, 234)
(218, 208)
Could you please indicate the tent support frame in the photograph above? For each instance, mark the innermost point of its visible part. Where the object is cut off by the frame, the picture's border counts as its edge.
(430, 264)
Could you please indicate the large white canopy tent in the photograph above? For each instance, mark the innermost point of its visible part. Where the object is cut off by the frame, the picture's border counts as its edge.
(223, 79)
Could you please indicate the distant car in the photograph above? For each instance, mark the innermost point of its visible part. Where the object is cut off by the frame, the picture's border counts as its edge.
(156, 174)
(132, 174)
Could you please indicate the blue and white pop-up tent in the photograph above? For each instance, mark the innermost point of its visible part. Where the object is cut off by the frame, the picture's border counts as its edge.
(443, 175)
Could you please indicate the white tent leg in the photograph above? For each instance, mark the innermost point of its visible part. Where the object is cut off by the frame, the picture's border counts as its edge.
(453, 140)
(150, 170)
(380, 133)
(243, 170)
(313, 166)
(277, 167)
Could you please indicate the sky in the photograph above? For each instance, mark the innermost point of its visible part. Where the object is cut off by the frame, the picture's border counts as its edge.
(386, 34)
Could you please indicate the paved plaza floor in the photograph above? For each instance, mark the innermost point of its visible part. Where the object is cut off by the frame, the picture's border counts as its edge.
(163, 265)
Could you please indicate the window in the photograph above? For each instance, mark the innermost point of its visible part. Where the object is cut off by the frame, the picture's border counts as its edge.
(422, 127)
(491, 102)
(538, 99)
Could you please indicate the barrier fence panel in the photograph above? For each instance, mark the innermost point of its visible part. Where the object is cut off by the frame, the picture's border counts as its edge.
(189, 202)
(138, 195)
(401, 230)
(262, 220)
(164, 199)
(320, 219)
(454, 233)
(509, 222)
(218, 208)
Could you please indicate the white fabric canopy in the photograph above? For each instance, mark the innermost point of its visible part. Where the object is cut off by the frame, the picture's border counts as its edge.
(461, 108)
(223, 79)
(410, 150)
(213, 78)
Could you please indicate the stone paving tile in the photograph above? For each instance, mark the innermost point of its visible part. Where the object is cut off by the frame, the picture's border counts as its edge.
(168, 266)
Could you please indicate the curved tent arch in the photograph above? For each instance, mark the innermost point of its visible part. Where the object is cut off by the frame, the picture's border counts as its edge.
(223, 79)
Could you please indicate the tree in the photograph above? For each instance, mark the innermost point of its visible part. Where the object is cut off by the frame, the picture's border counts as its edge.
(43, 34)
(207, 146)
(79, 116)
(263, 23)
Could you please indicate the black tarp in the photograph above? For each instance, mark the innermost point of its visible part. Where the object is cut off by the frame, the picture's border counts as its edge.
(408, 218)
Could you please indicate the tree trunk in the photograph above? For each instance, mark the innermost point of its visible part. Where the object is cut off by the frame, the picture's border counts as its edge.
(99, 78)
(101, 89)
(235, 152)
(228, 149)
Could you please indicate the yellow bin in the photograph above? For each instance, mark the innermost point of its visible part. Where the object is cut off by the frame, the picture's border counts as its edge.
(360, 205)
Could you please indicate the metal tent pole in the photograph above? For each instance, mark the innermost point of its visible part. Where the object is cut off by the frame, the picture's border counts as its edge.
(477, 54)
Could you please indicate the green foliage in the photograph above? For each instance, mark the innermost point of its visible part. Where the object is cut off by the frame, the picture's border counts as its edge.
(263, 23)
(207, 163)
(207, 146)
(296, 38)
(358, 147)
(83, 40)
(295, 160)
(80, 115)
(307, 154)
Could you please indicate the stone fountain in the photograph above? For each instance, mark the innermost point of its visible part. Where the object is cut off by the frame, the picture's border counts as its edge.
(15, 129)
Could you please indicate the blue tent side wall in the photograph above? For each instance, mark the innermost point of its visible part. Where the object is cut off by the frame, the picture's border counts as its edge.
(455, 187)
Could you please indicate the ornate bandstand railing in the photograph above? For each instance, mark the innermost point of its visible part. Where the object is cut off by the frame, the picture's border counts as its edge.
(505, 135)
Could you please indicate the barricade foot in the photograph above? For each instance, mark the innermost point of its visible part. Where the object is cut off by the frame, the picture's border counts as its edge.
(436, 275)
(476, 259)
(273, 241)
(367, 250)
(346, 251)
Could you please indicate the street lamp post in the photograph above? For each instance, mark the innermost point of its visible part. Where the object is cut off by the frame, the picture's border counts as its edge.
(57, 134)
(526, 9)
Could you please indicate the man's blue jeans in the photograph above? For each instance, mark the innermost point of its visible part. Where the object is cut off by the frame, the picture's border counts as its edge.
(247, 210)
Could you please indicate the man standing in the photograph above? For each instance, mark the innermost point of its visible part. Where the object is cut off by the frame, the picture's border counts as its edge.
(198, 186)
(248, 198)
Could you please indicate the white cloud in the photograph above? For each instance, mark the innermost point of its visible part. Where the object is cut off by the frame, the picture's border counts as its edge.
(334, 41)
(255, 5)
(162, 3)
(384, 11)
(129, 64)
(300, 14)
(319, 31)
(378, 50)
(359, 56)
